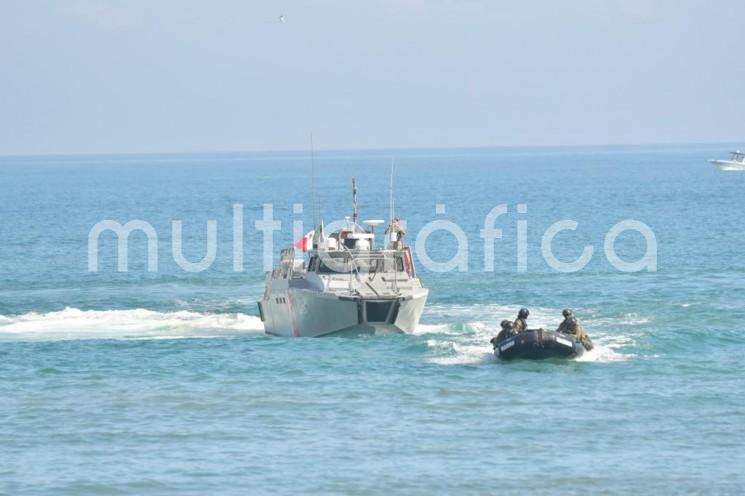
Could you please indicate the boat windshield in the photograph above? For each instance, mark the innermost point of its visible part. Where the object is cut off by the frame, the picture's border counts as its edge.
(344, 263)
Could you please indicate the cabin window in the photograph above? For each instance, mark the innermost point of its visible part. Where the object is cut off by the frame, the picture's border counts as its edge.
(338, 266)
(399, 264)
(335, 264)
(370, 265)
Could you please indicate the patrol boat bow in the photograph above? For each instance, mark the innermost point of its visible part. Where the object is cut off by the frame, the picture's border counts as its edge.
(345, 286)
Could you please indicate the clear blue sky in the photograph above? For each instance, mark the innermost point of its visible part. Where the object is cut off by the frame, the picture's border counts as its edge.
(87, 76)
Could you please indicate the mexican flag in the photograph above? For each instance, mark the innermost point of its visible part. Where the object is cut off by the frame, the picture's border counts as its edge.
(304, 242)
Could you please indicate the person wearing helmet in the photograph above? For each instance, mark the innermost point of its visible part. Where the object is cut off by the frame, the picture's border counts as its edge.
(521, 323)
(564, 326)
(505, 333)
(571, 326)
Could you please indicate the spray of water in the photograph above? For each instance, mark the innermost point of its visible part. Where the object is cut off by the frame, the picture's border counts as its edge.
(463, 333)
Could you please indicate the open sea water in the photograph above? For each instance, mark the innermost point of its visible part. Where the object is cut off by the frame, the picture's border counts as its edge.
(163, 382)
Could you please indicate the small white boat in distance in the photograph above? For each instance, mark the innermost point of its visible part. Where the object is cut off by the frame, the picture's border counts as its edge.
(736, 162)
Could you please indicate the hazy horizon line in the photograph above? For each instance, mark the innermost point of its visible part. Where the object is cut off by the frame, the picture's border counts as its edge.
(300, 151)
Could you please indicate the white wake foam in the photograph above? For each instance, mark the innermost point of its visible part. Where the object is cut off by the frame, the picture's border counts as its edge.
(462, 335)
(72, 323)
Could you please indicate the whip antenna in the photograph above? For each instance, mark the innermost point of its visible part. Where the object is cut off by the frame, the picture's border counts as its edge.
(390, 193)
(354, 200)
(313, 181)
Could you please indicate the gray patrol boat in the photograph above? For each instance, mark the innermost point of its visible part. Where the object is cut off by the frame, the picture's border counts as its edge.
(344, 284)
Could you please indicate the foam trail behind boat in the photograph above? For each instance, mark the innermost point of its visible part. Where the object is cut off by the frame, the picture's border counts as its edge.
(72, 323)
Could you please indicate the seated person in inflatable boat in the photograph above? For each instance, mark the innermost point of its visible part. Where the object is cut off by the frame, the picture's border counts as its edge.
(517, 341)
(571, 326)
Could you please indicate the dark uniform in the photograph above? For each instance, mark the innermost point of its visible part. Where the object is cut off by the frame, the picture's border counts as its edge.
(505, 333)
(570, 325)
(567, 327)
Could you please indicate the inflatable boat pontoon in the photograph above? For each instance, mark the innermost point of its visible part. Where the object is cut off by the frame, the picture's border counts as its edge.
(539, 344)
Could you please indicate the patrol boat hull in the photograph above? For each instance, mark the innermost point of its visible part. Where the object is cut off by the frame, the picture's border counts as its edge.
(539, 345)
(313, 314)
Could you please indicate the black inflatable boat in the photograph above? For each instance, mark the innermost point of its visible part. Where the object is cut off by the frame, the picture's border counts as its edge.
(538, 344)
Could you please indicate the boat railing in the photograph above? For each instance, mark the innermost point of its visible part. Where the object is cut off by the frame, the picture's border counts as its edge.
(354, 266)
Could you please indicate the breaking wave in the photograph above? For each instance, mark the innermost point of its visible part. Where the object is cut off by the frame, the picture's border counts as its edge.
(72, 323)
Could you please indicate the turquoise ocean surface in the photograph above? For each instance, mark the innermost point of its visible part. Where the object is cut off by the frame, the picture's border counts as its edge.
(163, 382)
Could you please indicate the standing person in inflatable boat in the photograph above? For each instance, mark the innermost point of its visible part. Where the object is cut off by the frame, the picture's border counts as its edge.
(521, 323)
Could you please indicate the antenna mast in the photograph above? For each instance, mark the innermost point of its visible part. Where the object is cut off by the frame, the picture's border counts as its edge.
(390, 193)
(354, 200)
(313, 180)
